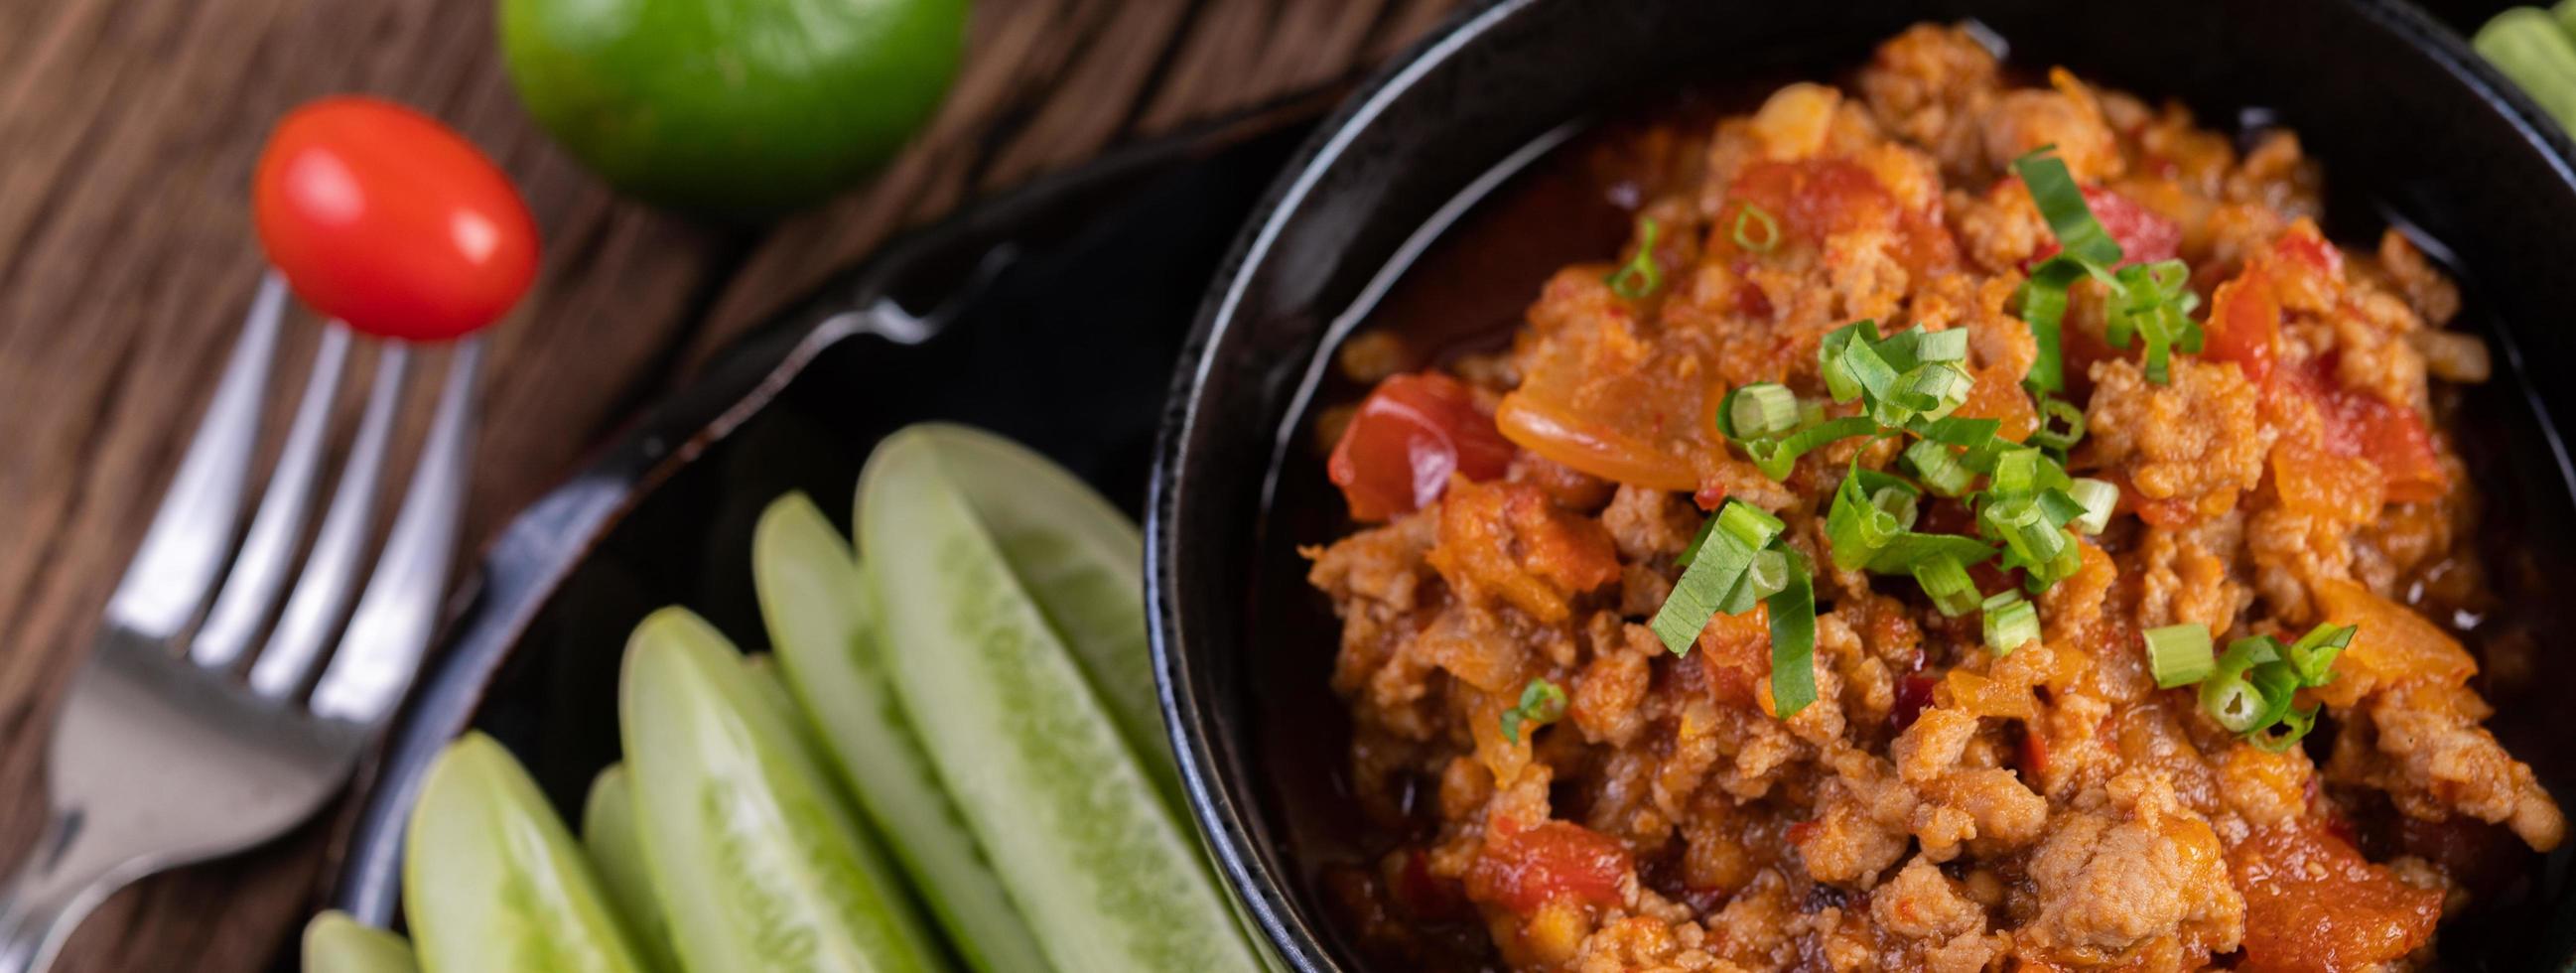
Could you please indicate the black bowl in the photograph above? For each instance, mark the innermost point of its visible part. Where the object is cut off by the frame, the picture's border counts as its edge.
(2410, 126)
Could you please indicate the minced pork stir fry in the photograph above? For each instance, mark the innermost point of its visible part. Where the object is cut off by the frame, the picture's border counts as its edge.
(1968, 525)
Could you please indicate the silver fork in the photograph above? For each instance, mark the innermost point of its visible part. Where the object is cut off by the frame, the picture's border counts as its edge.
(164, 753)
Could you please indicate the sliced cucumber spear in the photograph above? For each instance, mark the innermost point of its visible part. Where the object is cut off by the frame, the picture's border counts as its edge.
(493, 883)
(814, 599)
(335, 943)
(756, 863)
(2531, 47)
(608, 831)
(1102, 869)
(1083, 563)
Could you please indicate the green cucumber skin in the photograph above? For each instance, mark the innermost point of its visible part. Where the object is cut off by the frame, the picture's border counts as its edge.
(756, 863)
(1100, 865)
(1084, 564)
(2531, 47)
(492, 881)
(608, 832)
(814, 599)
(335, 943)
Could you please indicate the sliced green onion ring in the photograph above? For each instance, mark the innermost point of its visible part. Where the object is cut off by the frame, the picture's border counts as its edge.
(1542, 703)
(2061, 425)
(2011, 622)
(1760, 411)
(2179, 655)
(1640, 275)
(1750, 214)
(1947, 583)
(2098, 498)
(1939, 468)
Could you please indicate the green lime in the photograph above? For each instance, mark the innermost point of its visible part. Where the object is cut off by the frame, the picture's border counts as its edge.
(732, 107)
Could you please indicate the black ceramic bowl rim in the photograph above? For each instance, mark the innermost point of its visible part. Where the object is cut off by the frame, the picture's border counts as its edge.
(1225, 823)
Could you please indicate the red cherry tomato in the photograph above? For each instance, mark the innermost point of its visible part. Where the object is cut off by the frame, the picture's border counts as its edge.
(384, 218)
(2144, 235)
(1409, 435)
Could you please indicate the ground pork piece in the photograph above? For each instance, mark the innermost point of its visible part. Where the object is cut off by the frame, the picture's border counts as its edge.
(2139, 870)
(1608, 700)
(2196, 443)
(1931, 84)
(1643, 944)
(2435, 760)
(1508, 542)
(2068, 117)
(1860, 826)
(1921, 903)
(2427, 289)
(2186, 577)
(1647, 524)
(1984, 807)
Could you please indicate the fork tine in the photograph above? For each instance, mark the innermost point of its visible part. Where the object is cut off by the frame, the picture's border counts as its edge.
(268, 551)
(331, 572)
(399, 611)
(184, 549)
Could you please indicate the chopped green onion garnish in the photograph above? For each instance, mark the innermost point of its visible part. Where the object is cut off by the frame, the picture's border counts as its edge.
(1949, 345)
(2099, 498)
(1640, 276)
(2313, 655)
(1541, 703)
(2294, 726)
(1793, 641)
(1939, 468)
(2061, 424)
(2061, 203)
(1749, 525)
(1957, 430)
(1766, 576)
(2179, 655)
(1724, 553)
(2011, 622)
(1747, 218)
(1911, 548)
(1760, 411)
(1931, 391)
(1777, 457)
(1946, 581)
(2230, 697)
(1839, 381)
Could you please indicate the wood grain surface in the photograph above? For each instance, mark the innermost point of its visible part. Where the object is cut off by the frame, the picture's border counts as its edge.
(127, 133)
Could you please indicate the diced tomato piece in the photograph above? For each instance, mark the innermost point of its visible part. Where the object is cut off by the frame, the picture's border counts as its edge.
(2144, 235)
(1734, 654)
(2394, 438)
(1525, 870)
(2393, 645)
(1913, 696)
(1816, 198)
(2313, 903)
(1409, 435)
(2034, 755)
(1423, 895)
(2244, 325)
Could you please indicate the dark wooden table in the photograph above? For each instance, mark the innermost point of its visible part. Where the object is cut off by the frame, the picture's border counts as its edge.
(127, 134)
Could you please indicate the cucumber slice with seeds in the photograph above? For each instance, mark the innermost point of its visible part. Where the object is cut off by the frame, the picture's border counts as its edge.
(1083, 563)
(335, 943)
(493, 883)
(755, 861)
(617, 853)
(815, 602)
(1103, 869)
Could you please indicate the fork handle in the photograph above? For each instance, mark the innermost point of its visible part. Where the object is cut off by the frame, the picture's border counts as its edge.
(49, 895)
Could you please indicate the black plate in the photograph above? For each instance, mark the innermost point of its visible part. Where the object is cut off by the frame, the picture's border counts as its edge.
(1052, 315)
(2409, 125)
